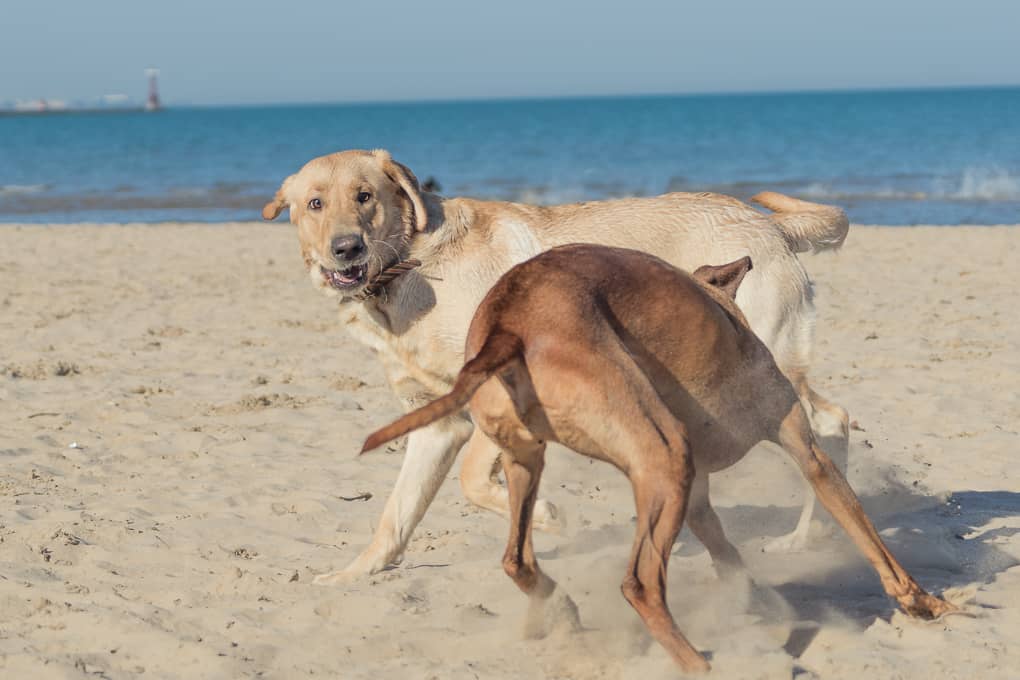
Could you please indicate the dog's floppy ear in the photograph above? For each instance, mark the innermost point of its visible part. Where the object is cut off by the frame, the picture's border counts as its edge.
(408, 183)
(726, 277)
(272, 210)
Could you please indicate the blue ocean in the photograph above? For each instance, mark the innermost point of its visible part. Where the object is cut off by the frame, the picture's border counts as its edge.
(892, 157)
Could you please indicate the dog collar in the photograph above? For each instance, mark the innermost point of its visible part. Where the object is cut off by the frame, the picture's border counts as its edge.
(379, 282)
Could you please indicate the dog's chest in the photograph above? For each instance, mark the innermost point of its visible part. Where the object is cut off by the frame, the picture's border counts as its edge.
(421, 346)
(423, 359)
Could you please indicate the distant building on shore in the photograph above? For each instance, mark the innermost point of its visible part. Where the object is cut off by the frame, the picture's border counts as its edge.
(101, 104)
(153, 103)
(39, 105)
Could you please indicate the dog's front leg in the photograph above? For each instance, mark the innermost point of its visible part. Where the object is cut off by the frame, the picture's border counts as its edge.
(430, 453)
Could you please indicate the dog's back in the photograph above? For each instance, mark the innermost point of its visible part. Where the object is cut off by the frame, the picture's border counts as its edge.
(553, 322)
(684, 332)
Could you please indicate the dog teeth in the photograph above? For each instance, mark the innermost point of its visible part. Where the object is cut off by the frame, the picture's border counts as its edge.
(344, 277)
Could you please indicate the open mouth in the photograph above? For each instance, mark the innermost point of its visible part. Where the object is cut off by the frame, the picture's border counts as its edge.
(345, 279)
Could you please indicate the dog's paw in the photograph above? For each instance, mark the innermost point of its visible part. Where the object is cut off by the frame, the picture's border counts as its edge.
(547, 517)
(336, 578)
(929, 607)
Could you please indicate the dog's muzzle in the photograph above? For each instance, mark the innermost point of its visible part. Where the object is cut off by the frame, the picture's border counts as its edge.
(347, 278)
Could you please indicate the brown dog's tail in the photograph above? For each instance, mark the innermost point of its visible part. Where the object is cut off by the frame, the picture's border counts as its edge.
(500, 349)
(807, 226)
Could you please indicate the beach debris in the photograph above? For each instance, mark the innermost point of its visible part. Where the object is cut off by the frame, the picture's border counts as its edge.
(64, 368)
(257, 402)
(362, 496)
(480, 609)
(68, 537)
(41, 370)
(75, 445)
(348, 383)
(245, 553)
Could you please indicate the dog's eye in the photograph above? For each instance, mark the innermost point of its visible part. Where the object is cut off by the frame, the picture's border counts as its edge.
(315, 204)
(364, 196)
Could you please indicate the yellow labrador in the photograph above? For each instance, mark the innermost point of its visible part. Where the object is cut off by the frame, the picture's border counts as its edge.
(359, 213)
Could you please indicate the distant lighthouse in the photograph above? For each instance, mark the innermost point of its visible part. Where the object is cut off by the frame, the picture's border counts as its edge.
(152, 103)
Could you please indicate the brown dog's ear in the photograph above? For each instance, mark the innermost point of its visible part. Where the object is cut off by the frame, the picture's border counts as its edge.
(726, 277)
(408, 183)
(272, 210)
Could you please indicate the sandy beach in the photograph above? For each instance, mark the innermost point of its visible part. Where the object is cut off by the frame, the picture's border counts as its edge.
(180, 413)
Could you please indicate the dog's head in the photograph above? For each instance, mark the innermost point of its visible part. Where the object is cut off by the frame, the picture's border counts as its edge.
(355, 212)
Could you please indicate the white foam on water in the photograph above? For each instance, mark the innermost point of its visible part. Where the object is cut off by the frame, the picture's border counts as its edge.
(972, 184)
(20, 189)
(988, 184)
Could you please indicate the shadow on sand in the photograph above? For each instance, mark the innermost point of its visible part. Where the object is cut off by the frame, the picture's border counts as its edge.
(943, 543)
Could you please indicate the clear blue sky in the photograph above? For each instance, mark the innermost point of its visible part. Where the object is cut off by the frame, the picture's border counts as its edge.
(214, 52)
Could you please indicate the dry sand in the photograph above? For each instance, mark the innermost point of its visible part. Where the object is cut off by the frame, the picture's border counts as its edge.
(179, 413)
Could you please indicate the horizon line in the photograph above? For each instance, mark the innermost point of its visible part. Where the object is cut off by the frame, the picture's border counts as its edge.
(626, 95)
(481, 99)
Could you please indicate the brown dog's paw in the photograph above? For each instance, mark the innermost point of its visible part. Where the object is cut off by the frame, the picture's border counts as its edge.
(924, 606)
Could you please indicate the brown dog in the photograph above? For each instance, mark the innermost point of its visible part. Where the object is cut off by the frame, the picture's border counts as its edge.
(620, 356)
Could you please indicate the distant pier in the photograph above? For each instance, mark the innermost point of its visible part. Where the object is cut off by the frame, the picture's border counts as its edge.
(118, 103)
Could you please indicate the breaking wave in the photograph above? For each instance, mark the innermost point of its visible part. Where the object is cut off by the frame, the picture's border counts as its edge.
(21, 189)
(988, 184)
(974, 184)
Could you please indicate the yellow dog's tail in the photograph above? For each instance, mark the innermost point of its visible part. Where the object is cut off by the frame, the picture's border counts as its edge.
(500, 349)
(807, 226)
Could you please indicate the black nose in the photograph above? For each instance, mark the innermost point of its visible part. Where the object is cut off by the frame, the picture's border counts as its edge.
(349, 247)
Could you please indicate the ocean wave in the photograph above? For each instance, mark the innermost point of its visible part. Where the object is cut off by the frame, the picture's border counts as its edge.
(800, 188)
(987, 184)
(22, 189)
(974, 184)
(994, 187)
(29, 204)
(544, 194)
(823, 192)
(126, 198)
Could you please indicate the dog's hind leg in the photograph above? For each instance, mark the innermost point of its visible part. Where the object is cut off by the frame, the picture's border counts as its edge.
(662, 477)
(839, 499)
(706, 527)
(479, 481)
(614, 413)
(523, 469)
